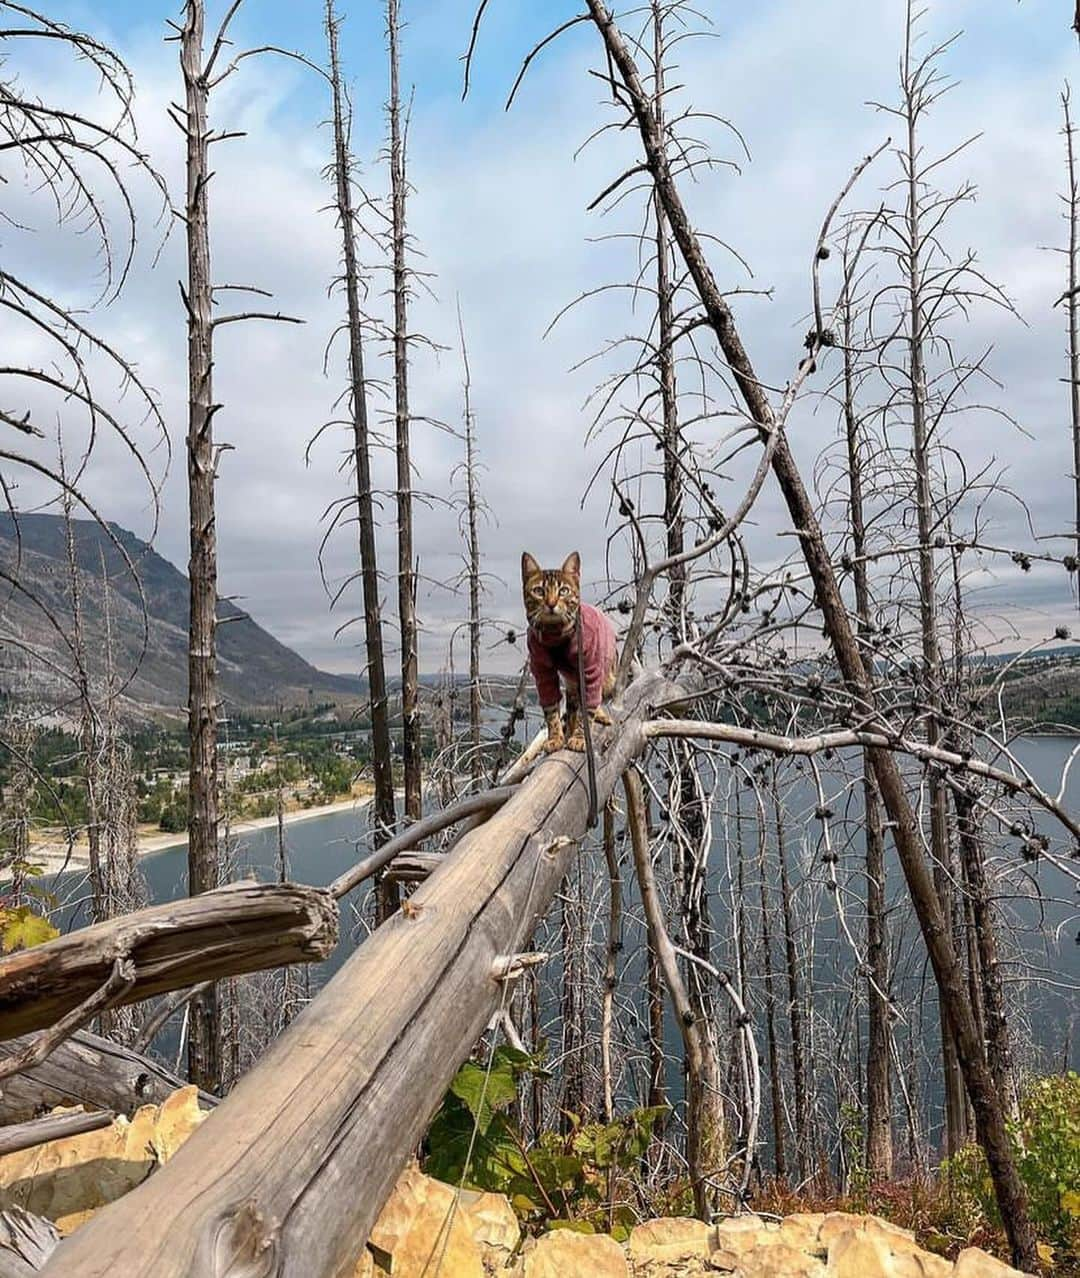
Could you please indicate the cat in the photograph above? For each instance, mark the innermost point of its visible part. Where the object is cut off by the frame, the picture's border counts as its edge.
(552, 606)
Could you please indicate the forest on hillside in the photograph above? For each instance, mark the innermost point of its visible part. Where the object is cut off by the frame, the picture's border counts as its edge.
(779, 912)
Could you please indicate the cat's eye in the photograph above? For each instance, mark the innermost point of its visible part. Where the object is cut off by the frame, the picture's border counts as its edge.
(564, 590)
(537, 592)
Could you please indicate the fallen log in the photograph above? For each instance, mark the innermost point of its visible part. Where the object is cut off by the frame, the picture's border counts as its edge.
(287, 1176)
(243, 927)
(26, 1242)
(52, 1127)
(86, 1070)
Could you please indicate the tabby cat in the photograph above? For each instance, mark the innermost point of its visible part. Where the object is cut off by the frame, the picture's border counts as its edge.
(553, 607)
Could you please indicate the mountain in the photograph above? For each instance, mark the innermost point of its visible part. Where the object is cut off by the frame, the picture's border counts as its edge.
(36, 622)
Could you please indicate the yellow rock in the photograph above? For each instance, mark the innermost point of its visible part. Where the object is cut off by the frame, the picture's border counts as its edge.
(858, 1253)
(835, 1223)
(68, 1180)
(565, 1254)
(365, 1266)
(494, 1227)
(973, 1262)
(424, 1230)
(771, 1257)
(669, 1238)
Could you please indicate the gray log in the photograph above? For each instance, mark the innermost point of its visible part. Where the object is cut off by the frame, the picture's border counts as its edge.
(86, 1070)
(51, 1127)
(287, 1176)
(244, 927)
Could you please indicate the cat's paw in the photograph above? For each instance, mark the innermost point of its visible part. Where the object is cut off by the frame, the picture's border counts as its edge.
(553, 743)
(601, 716)
(576, 741)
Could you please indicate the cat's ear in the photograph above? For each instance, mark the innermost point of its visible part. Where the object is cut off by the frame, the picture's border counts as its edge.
(529, 566)
(572, 565)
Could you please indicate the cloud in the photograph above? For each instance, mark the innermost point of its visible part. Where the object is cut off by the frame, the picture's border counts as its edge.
(499, 213)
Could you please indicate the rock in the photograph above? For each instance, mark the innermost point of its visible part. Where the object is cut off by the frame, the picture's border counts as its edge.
(973, 1262)
(857, 1253)
(835, 1223)
(566, 1254)
(494, 1228)
(874, 1248)
(68, 1180)
(424, 1229)
(671, 1247)
(365, 1266)
(801, 1229)
(773, 1258)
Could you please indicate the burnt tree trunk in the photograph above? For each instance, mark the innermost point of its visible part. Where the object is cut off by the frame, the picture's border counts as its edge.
(410, 684)
(381, 753)
(879, 1146)
(204, 1038)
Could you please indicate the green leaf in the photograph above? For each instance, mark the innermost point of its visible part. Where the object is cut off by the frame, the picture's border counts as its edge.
(21, 928)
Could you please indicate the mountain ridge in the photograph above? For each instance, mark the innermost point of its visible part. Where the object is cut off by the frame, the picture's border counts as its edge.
(36, 654)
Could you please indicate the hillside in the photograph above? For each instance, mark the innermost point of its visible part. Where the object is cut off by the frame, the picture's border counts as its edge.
(255, 669)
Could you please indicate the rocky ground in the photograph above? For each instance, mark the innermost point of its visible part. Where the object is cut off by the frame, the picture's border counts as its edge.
(429, 1230)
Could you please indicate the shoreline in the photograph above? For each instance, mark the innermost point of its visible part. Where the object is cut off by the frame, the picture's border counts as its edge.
(55, 857)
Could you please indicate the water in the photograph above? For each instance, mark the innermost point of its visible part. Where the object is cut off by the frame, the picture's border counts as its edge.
(1037, 905)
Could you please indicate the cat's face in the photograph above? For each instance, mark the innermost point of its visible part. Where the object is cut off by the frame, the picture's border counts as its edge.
(552, 595)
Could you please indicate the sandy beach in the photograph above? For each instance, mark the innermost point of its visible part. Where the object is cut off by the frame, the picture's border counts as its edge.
(51, 852)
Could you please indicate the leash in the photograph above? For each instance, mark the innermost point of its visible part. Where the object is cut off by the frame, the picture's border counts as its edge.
(586, 724)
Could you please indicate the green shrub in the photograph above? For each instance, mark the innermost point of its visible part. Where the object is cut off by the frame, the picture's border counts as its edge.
(1046, 1142)
(560, 1181)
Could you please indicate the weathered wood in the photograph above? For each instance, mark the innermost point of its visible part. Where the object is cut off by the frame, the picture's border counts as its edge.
(86, 1070)
(286, 1177)
(52, 1127)
(243, 927)
(415, 867)
(26, 1242)
(473, 805)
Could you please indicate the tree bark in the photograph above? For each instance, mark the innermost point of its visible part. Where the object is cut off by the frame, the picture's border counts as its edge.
(381, 753)
(204, 1038)
(244, 927)
(410, 680)
(86, 1070)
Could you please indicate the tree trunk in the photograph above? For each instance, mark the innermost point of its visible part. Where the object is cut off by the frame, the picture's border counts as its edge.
(775, 1083)
(879, 1147)
(704, 1131)
(86, 1070)
(410, 685)
(243, 927)
(384, 813)
(472, 511)
(204, 1041)
(1072, 305)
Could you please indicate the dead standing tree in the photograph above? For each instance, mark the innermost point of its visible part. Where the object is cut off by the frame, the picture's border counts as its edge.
(411, 745)
(203, 458)
(360, 456)
(1071, 298)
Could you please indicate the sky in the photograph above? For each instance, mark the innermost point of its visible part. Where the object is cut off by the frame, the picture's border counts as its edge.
(501, 224)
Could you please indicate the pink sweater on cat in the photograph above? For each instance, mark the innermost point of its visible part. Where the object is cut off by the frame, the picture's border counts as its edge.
(549, 660)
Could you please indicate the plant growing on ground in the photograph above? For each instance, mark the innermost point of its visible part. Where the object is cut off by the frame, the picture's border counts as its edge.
(1047, 1144)
(560, 1181)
